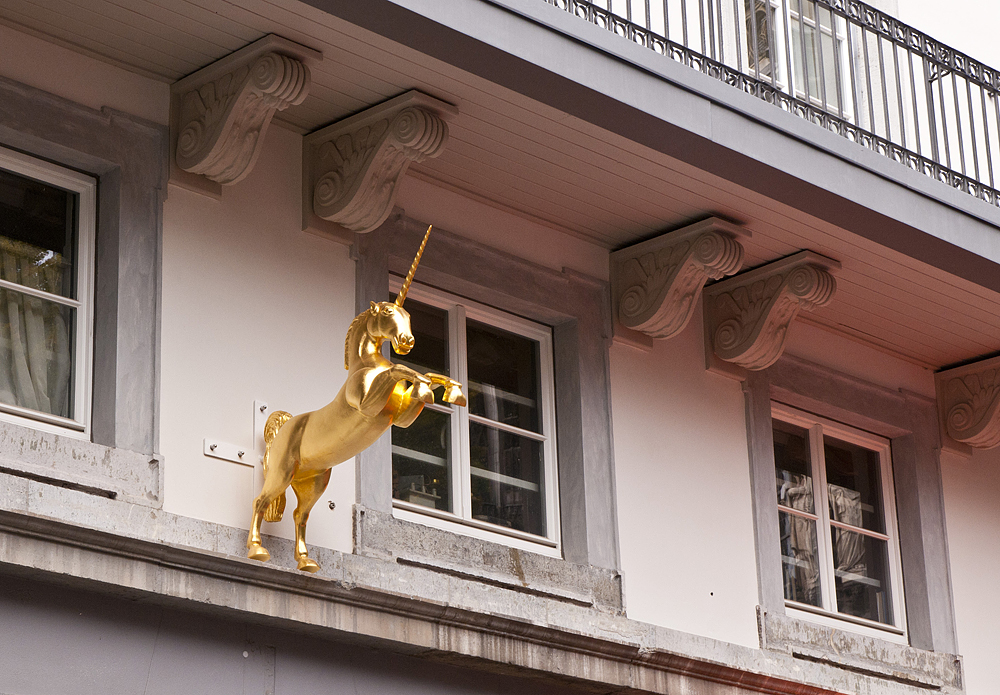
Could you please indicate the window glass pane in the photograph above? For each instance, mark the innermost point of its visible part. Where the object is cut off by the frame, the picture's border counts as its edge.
(430, 335)
(791, 466)
(421, 456)
(37, 230)
(503, 376)
(759, 19)
(507, 482)
(799, 559)
(36, 354)
(862, 571)
(853, 476)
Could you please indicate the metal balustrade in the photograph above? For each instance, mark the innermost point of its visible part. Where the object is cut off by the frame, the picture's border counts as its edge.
(841, 64)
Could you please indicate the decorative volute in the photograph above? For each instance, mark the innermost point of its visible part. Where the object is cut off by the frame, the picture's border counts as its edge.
(353, 166)
(656, 284)
(221, 112)
(747, 316)
(969, 402)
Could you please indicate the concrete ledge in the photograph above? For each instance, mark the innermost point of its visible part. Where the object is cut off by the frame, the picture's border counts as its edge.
(102, 470)
(69, 537)
(823, 644)
(383, 536)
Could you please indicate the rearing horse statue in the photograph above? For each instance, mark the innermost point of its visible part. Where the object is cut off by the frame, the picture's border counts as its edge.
(301, 450)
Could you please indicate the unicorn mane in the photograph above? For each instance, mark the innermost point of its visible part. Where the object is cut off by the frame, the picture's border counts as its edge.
(350, 334)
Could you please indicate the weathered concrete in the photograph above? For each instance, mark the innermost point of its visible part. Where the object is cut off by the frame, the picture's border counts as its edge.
(133, 477)
(380, 535)
(132, 551)
(865, 654)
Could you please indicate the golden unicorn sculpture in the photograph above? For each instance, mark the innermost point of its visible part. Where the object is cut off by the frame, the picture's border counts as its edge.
(301, 450)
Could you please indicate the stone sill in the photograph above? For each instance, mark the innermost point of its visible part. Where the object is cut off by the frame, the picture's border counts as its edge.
(381, 535)
(81, 465)
(66, 536)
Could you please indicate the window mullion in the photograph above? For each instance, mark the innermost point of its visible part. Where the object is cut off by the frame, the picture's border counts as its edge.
(461, 465)
(823, 532)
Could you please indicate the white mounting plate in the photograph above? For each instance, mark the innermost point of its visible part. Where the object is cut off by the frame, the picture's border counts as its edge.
(229, 452)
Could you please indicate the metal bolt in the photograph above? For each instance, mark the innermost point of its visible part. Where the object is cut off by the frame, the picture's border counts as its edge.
(240, 453)
(263, 408)
(333, 505)
(212, 447)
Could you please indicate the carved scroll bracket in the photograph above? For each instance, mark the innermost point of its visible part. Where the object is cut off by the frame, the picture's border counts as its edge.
(656, 284)
(747, 316)
(969, 403)
(352, 168)
(219, 114)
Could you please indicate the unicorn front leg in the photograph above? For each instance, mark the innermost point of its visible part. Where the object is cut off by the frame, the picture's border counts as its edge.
(452, 389)
(371, 394)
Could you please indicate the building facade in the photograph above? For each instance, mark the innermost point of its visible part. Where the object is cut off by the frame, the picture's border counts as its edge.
(720, 280)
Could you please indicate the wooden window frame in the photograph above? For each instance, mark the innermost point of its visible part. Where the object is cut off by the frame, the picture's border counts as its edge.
(817, 427)
(460, 519)
(85, 188)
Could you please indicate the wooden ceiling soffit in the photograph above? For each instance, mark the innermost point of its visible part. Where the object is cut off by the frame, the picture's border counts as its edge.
(219, 115)
(747, 316)
(656, 284)
(969, 405)
(351, 169)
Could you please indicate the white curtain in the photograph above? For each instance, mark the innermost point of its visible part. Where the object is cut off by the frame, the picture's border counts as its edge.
(797, 493)
(35, 354)
(845, 507)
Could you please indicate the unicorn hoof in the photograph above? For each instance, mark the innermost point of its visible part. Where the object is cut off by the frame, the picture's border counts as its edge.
(422, 392)
(307, 564)
(259, 553)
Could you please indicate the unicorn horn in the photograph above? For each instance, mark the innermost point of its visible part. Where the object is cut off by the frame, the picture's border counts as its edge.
(401, 297)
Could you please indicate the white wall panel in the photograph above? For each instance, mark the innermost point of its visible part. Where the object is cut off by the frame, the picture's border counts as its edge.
(252, 308)
(683, 479)
(972, 503)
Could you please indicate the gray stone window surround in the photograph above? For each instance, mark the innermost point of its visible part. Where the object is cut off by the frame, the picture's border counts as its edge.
(577, 308)
(128, 157)
(908, 420)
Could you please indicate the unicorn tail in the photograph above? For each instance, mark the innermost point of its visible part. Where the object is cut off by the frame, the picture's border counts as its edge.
(274, 423)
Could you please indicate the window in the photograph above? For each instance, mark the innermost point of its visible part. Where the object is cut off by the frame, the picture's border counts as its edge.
(809, 36)
(491, 466)
(837, 521)
(47, 220)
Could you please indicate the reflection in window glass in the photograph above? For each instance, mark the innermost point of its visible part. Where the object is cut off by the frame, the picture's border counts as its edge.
(799, 559)
(862, 573)
(503, 376)
(430, 333)
(421, 456)
(507, 487)
(854, 485)
(37, 247)
(792, 467)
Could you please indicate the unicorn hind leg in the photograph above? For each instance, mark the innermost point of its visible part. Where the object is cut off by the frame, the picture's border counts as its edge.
(275, 484)
(308, 491)
(277, 476)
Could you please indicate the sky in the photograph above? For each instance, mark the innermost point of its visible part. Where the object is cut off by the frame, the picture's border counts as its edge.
(965, 25)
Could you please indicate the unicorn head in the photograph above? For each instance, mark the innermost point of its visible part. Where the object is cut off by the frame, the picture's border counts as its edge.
(389, 320)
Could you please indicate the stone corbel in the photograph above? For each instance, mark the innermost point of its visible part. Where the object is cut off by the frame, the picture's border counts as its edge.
(352, 168)
(747, 316)
(219, 114)
(655, 285)
(969, 403)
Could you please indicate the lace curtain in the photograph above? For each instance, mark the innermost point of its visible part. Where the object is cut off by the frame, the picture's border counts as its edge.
(35, 354)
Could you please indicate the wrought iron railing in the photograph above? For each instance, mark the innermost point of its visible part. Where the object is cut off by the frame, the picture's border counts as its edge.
(839, 63)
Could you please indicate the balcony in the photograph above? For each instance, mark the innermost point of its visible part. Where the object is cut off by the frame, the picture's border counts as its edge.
(841, 64)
